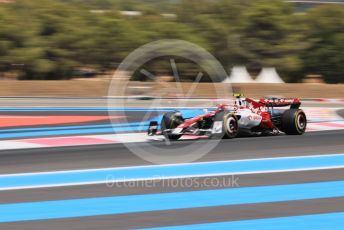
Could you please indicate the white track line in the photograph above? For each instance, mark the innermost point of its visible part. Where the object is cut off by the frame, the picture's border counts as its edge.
(167, 178)
(169, 165)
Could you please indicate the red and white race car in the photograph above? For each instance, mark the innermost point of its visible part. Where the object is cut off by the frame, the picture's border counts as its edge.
(245, 116)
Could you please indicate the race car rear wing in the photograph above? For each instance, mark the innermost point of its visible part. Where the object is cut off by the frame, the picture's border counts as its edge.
(294, 103)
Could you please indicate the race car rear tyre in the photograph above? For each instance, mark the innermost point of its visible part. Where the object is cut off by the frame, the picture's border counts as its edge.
(170, 121)
(294, 122)
(225, 126)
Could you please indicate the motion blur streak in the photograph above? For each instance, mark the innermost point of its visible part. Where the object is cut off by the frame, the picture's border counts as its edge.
(154, 202)
(314, 222)
(158, 172)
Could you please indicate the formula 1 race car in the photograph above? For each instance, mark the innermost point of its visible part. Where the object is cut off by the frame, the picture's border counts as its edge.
(245, 117)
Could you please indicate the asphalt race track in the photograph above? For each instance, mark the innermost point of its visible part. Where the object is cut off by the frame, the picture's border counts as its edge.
(117, 155)
(276, 182)
(112, 156)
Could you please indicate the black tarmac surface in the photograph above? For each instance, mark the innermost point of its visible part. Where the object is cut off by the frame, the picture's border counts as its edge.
(69, 158)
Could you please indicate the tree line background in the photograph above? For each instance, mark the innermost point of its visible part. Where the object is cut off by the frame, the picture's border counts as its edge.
(51, 39)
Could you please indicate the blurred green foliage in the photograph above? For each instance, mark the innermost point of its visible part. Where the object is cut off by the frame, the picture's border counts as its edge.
(326, 54)
(50, 39)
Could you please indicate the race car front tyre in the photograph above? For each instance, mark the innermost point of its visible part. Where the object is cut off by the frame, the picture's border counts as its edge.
(171, 120)
(225, 126)
(230, 126)
(294, 122)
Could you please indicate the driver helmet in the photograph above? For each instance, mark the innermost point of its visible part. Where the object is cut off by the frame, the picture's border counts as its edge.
(240, 101)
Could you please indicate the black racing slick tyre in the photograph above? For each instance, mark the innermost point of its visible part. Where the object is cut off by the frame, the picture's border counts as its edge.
(294, 122)
(230, 126)
(170, 120)
(225, 126)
